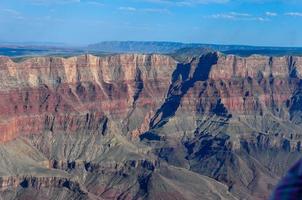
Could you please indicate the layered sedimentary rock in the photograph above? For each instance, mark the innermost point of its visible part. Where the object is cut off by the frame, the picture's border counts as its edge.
(135, 126)
(78, 93)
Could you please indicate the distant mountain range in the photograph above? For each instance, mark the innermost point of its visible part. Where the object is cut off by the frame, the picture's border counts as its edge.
(30, 49)
(172, 47)
(26, 44)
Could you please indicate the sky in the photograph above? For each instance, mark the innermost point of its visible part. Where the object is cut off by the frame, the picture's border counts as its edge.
(81, 22)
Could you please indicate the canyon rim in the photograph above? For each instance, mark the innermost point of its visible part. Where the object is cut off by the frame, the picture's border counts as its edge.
(148, 126)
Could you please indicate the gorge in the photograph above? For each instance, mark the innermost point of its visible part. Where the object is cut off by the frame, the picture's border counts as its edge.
(148, 126)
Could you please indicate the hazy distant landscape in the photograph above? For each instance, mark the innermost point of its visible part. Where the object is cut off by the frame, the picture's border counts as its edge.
(26, 50)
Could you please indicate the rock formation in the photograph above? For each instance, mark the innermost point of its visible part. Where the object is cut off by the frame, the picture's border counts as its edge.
(134, 126)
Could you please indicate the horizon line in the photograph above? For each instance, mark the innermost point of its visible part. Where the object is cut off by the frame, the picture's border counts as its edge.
(63, 44)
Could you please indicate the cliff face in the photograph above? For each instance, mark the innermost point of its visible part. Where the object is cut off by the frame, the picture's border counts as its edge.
(264, 80)
(143, 126)
(76, 94)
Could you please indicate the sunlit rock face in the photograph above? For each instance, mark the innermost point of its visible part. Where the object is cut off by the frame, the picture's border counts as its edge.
(134, 126)
(79, 93)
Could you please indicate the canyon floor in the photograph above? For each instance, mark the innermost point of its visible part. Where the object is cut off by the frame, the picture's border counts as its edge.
(148, 126)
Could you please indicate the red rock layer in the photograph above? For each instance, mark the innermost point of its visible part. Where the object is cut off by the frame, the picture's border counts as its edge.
(251, 85)
(82, 93)
(78, 93)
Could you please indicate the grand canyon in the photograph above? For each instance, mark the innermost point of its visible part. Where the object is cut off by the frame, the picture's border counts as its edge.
(148, 125)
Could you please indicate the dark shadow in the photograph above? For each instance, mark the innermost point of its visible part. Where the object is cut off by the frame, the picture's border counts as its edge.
(149, 136)
(24, 184)
(181, 83)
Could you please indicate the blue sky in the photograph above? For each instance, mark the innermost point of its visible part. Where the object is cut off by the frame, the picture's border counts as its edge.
(78, 22)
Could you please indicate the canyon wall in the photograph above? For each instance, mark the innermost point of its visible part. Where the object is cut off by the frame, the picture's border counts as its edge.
(134, 126)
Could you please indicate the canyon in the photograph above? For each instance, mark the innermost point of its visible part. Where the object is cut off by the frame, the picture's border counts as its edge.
(148, 126)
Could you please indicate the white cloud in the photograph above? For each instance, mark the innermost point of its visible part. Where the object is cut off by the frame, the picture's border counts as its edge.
(262, 19)
(187, 2)
(238, 16)
(60, 2)
(128, 8)
(271, 14)
(195, 2)
(146, 10)
(50, 2)
(95, 3)
(12, 13)
(294, 14)
(155, 10)
(222, 16)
